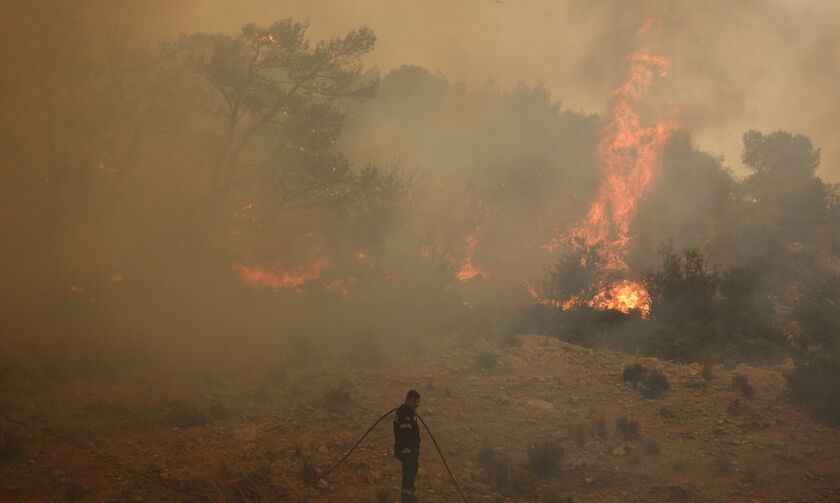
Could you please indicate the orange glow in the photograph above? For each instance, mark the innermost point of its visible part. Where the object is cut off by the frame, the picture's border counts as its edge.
(278, 275)
(625, 296)
(469, 270)
(629, 153)
(341, 286)
(532, 291)
(116, 278)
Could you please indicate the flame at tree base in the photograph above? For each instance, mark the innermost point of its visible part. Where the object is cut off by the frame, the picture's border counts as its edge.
(623, 295)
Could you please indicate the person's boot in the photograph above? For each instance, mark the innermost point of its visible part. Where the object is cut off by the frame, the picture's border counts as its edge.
(407, 496)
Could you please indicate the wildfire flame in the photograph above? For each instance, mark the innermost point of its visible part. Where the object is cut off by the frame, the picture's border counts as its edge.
(629, 153)
(278, 275)
(469, 270)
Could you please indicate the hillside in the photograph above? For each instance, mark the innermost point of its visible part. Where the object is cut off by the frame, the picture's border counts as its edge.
(248, 430)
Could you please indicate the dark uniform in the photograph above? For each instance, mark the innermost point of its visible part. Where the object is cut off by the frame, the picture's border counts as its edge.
(407, 449)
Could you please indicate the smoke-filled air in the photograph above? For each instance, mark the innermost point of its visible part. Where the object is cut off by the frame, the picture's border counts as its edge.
(260, 251)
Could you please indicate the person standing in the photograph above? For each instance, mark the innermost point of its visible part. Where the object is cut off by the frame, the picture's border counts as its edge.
(407, 443)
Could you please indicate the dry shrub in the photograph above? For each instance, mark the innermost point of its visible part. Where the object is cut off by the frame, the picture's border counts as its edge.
(496, 464)
(652, 447)
(308, 472)
(666, 412)
(253, 487)
(742, 384)
(487, 361)
(651, 383)
(598, 424)
(627, 429)
(544, 457)
(633, 373)
(578, 432)
(723, 463)
(654, 384)
(339, 399)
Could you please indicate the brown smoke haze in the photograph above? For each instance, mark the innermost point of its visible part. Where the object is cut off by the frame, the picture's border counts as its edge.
(756, 64)
(232, 229)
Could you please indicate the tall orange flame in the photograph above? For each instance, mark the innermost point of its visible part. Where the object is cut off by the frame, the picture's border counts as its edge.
(630, 155)
(468, 270)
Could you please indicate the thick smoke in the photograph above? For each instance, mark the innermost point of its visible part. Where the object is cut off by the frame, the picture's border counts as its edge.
(488, 116)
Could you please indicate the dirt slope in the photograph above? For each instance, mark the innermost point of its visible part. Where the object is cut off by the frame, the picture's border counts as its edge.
(251, 429)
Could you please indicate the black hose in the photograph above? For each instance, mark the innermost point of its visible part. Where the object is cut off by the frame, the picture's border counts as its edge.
(351, 449)
(444, 460)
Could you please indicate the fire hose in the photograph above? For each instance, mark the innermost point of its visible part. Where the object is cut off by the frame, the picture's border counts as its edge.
(437, 447)
(172, 486)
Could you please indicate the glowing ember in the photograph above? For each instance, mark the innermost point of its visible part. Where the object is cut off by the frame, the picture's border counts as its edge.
(277, 275)
(468, 270)
(116, 278)
(341, 286)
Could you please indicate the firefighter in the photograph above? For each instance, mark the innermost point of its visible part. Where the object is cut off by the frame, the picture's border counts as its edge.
(407, 443)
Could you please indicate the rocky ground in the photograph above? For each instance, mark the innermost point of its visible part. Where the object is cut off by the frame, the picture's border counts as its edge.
(256, 429)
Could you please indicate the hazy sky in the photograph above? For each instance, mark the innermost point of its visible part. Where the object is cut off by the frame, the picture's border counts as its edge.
(762, 64)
